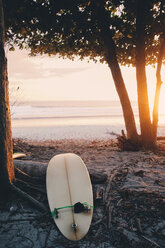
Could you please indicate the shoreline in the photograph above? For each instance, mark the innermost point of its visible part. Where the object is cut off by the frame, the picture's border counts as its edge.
(59, 130)
(87, 132)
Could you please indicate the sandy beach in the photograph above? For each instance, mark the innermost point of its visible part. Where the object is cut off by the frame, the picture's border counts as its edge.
(68, 120)
(129, 205)
(85, 78)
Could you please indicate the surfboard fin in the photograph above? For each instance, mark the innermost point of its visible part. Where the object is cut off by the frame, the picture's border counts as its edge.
(55, 213)
(74, 226)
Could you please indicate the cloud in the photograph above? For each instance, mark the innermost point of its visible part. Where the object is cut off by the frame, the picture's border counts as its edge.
(23, 67)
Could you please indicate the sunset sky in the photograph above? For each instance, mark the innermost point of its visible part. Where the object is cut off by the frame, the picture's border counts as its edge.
(43, 78)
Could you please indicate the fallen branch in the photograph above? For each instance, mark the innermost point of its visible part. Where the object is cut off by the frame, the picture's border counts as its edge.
(27, 197)
(98, 232)
(37, 170)
(21, 172)
(17, 220)
(151, 242)
(98, 221)
(31, 168)
(110, 209)
(139, 225)
(107, 198)
(108, 188)
(30, 186)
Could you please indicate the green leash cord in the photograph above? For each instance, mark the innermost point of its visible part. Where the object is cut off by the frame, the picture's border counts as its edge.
(82, 205)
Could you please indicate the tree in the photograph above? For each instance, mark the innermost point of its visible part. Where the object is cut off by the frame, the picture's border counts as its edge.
(6, 149)
(143, 102)
(158, 86)
(149, 50)
(7, 175)
(160, 57)
(115, 32)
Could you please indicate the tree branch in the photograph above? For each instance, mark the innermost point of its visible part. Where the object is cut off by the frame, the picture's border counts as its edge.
(27, 197)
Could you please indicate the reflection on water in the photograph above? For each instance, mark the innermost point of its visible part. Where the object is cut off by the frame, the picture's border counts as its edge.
(76, 121)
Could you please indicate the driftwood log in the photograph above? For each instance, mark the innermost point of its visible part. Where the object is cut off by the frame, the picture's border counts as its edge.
(37, 171)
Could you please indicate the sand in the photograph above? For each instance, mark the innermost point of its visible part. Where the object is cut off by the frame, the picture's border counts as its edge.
(129, 211)
(105, 156)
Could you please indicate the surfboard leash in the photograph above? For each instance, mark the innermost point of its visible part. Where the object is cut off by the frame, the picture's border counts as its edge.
(78, 208)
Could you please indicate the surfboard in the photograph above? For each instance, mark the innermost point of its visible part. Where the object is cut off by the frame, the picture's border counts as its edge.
(19, 155)
(70, 195)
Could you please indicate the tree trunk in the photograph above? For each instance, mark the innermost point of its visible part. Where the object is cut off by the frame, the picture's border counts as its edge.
(111, 58)
(6, 150)
(158, 86)
(143, 102)
(123, 95)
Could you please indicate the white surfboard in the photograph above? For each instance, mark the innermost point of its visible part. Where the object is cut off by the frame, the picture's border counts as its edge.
(68, 183)
(19, 155)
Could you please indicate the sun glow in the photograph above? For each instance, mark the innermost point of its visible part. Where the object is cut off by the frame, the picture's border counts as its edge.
(53, 79)
(151, 78)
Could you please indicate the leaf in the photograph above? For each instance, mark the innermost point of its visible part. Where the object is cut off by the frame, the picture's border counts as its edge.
(12, 49)
(114, 10)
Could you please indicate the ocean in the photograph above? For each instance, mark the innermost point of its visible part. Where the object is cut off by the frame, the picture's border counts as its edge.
(71, 120)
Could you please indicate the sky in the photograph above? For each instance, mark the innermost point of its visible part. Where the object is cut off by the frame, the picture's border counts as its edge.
(44, 78)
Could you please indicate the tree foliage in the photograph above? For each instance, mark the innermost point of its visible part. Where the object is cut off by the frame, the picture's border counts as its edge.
(72, 28)
(112, 31)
